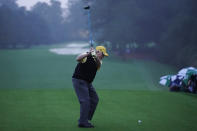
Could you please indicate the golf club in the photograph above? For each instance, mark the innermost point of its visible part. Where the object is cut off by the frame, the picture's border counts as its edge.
(89, 25)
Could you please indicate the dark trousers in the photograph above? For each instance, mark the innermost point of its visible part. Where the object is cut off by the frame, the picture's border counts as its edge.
(88, 99)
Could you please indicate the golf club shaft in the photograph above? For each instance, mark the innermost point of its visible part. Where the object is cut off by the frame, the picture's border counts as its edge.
(90, 30)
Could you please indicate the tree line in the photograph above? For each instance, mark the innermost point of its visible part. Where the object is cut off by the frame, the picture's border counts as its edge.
(166, 29)
(163, 29)
(43, 24)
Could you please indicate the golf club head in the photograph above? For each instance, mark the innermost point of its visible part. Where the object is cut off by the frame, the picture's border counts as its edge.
(87, 7)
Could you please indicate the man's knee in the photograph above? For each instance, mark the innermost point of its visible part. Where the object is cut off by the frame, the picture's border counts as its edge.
(84, 100)
(95, 100)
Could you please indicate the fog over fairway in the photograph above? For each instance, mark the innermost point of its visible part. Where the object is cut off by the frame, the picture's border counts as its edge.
(164, 33)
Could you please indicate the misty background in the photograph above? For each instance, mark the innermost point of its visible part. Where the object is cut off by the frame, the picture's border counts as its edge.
(163, 31)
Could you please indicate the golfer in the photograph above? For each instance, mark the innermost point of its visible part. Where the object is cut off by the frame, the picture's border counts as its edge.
(88, 64)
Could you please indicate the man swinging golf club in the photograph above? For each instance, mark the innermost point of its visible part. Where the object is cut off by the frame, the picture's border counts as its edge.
(83, 76)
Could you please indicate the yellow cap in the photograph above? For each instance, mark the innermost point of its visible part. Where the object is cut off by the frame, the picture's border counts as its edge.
(102, 49)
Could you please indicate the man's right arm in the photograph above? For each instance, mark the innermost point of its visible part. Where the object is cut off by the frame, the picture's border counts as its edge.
(82, 56)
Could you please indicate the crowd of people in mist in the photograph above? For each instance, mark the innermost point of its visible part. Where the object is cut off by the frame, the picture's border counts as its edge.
(164, 29)
(178, 85)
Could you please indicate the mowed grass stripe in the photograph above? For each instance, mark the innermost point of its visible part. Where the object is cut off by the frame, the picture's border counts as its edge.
(35, 68)
(58, 109)
(38, 68)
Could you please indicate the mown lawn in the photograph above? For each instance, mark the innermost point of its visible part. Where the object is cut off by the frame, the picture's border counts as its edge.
(38, 68)
(36, 95)
(58, 109)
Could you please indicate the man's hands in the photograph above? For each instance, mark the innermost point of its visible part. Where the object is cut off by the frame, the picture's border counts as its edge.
(92, 51)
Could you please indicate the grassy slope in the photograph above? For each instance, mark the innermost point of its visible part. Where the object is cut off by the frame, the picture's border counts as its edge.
(34, 69)
(38, 108)
(39, 68)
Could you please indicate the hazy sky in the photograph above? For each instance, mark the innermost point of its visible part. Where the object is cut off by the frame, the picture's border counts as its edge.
(29, 3)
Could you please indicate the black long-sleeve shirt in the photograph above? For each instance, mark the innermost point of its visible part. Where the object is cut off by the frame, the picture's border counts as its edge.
(86, 70)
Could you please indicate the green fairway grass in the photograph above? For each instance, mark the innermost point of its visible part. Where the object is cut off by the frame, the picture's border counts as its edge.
(58, 110)
(38, 68)
(36, 94)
